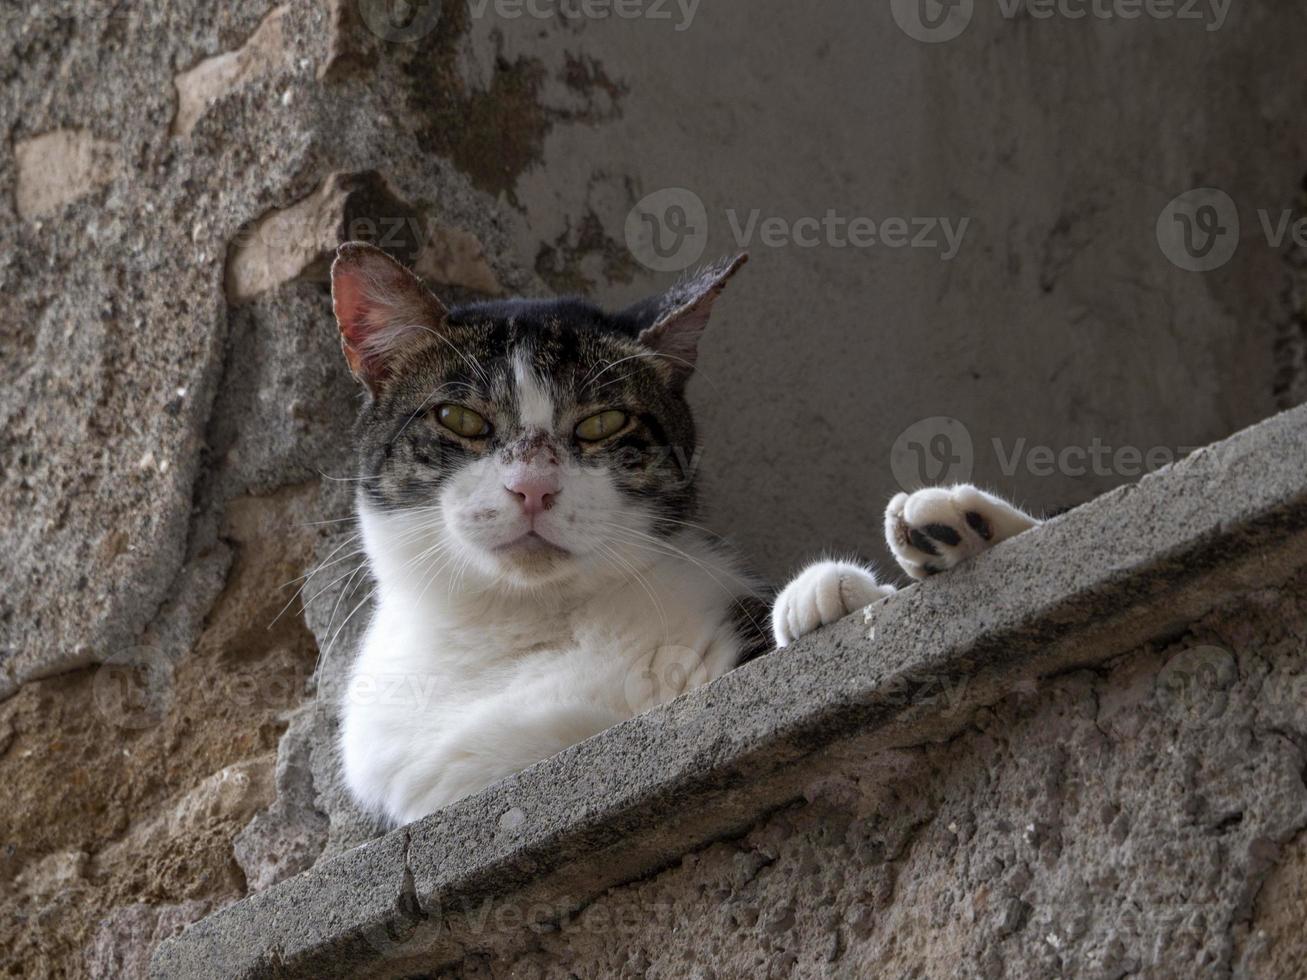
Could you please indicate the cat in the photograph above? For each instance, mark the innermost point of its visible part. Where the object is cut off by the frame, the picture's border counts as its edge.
(928, 531)
(527, 502)
(528, 507)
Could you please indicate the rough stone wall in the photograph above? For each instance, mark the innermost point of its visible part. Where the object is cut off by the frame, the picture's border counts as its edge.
(174, 418)
(1148, 819)
(175, 431)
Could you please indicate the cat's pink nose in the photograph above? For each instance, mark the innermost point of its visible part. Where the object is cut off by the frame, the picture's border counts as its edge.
(536, 488)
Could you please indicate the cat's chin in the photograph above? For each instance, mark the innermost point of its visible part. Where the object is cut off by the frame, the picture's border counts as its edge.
(532, 544)
(534, 560)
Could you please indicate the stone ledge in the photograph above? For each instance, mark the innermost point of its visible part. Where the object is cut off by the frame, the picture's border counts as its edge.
(1134, 565)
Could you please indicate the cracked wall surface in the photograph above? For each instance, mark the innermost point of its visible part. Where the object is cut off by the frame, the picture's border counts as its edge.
(174, 416)
(175, 449)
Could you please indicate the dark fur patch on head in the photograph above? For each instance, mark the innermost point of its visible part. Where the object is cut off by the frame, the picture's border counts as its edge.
(592, 361)
(443, 384)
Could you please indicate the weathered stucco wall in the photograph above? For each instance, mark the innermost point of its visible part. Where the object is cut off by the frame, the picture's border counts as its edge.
(175, 423)
(173, 413)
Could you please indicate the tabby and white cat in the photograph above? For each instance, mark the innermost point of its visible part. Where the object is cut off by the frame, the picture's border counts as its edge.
(528, 508)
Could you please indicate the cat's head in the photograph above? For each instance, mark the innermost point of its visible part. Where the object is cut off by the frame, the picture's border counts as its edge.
(521, 442)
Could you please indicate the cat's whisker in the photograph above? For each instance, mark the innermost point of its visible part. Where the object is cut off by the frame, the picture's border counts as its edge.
(462, 571)
(332, 643)
(614, 381)
(327, 588)
(621, 563)
(326, 562)
(332, 560)
(471, 362)
(347, 479)
(441, 556)
(646, 536)
(331, 520)
(691, 525)
(346, 590)
(662, 546)
(593, 376)
(658, 546)
(304, 580)
(663, 355)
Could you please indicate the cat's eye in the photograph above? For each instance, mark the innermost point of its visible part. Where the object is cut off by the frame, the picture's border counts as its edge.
(462, 421)
(601, 426)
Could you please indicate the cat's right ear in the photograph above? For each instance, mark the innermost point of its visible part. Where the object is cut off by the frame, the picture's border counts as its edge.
(382, 309)
(672, 324)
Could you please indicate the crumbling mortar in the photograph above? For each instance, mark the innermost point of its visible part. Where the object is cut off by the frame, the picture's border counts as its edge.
(409, 901)
(1243, 917)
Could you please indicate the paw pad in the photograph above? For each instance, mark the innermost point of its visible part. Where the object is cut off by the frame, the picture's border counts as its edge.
(934, 529)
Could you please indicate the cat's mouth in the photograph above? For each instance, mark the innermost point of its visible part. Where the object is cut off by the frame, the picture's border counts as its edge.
(532, 545)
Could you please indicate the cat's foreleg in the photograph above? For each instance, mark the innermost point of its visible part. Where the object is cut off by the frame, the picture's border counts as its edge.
(495, 739)
(821, 594)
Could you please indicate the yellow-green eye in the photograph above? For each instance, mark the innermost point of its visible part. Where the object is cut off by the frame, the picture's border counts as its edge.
(601, 426)
(463, 421)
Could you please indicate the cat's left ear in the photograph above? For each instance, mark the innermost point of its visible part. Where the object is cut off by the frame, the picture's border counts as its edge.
(382, 310)
(673, 323)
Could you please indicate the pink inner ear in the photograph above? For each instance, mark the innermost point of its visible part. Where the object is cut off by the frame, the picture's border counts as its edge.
(380, 307)
(347, 294)
(349, 297)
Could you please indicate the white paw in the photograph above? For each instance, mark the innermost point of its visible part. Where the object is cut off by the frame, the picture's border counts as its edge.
(822, 594)
(934, 529)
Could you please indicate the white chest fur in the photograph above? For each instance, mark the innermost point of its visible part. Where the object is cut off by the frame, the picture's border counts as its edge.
(459, 683)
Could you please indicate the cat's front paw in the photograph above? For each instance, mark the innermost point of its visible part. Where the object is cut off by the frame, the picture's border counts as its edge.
(822, 594)
(934, 529)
